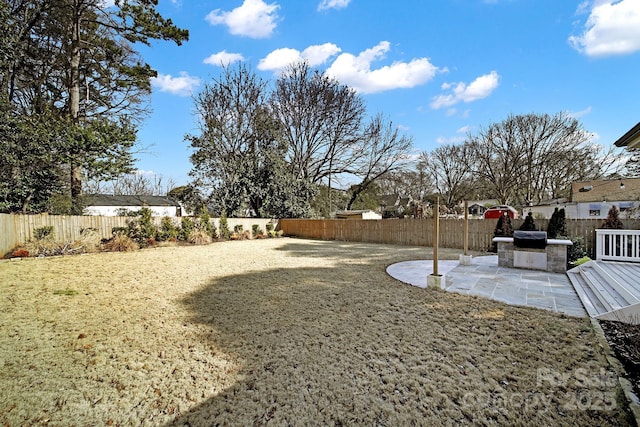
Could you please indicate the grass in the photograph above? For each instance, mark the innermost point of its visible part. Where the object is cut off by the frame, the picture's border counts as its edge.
(278, 332)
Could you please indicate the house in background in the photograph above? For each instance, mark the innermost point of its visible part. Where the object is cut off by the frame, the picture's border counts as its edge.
(477, 208)
(394, 205)
(631, 139)
(545, 209)
(113, 205)
(593, 199)
(358, 214)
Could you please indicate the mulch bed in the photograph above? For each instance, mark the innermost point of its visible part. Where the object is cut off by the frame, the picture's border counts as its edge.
(624, 340)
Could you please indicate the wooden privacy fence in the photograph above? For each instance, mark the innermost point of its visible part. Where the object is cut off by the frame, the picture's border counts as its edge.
(419, 232)
(19, 229)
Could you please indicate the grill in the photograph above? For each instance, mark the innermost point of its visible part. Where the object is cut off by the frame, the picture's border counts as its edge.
(530, 239)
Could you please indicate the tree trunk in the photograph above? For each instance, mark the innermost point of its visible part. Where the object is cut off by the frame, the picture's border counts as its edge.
(74, 99)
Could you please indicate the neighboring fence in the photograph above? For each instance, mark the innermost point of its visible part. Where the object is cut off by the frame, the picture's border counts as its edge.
(618, 245)
(419, 232)
(18, 229)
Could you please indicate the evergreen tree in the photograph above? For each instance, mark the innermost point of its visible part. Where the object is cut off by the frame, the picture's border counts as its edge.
(503, 227)
(71, 65)
(613, 219)
(528, 224)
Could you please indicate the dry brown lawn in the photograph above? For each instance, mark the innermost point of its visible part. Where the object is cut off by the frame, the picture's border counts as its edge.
(282, 332)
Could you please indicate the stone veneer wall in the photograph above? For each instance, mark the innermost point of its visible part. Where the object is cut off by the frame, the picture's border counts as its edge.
(556, 254)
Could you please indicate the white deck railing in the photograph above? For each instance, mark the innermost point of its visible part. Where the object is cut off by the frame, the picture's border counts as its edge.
(618, 245)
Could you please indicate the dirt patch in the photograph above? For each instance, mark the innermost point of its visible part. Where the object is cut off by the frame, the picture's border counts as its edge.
(282, 332)
(624, 340)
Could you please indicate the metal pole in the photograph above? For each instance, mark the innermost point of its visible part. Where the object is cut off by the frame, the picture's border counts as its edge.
(436, 215)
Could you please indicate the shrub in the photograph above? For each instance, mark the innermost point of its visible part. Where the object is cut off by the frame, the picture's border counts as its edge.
(503, 229)
(576, 251)
(120, 243)
(89, 240)
(255, 229)
(269, 227)
(224, 231)
(238, 228)
(557, 224)
(199, 237)
(528, 224)
(41, 233)
(19, 253)
(206, 224)
(168, 230)
(613, 219)
(148, 230)
(187, 228)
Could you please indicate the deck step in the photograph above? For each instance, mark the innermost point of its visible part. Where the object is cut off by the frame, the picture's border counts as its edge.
(589, 300)
(607, 291)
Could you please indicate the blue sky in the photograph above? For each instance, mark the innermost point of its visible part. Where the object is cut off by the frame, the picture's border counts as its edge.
(437, 68)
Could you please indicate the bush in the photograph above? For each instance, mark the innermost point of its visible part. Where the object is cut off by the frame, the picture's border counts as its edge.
(576, 251)
(557, 224)
(89, 240)
(256, 231)
(120, 243)
(224, 231)
(503, 229)
(187, 228)
(41, 233)
(613, 219)
(168, 230)
(207, 225)
(199, 237)
(528, 224)
(19, 253)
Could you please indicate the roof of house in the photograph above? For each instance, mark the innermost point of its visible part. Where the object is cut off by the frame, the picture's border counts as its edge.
(117, 200)
(611, 190)
(631, 139)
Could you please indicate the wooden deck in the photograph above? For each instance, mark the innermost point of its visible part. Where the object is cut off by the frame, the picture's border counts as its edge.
(609, 290)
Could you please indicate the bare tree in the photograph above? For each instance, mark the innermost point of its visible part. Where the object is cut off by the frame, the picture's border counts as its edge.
(321, 121)
(448, 172)
(134, 184)
(383, 150)
(533, 157)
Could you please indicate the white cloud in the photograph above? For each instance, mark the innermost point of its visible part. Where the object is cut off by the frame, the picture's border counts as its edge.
(450, 140)
(314, 55)
(578, 114)
(356, 72)
(255, 19)
(613, 28)
(183, 85)
(223, 58)
(333, 4)
(480, 88)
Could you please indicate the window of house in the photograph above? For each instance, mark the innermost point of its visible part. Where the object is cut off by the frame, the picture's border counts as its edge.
(594, 212)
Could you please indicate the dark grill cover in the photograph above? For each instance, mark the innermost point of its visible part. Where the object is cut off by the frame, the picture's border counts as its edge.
(530, 239)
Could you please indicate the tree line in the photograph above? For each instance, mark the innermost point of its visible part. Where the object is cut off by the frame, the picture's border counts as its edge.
(75, 91)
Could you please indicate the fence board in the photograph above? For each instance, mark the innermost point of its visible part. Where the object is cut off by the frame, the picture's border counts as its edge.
(419, 232)
(19, 229)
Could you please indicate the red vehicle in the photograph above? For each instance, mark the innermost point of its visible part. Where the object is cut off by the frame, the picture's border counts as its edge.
(497, 211)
